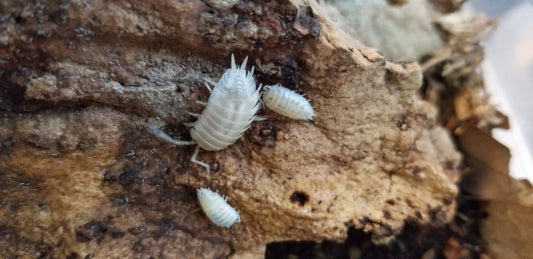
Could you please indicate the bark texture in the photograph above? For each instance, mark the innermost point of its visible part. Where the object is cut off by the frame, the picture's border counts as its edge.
(80, 176)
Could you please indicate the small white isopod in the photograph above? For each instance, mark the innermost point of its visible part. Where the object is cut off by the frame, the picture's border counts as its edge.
(228, 113)
(216, 208)
(287, 103)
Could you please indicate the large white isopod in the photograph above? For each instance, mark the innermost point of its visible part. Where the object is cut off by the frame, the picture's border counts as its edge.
(228, 113)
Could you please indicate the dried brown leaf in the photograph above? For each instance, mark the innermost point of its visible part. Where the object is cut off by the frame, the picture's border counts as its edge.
(508, 229)
(474, 103)
(483, 150)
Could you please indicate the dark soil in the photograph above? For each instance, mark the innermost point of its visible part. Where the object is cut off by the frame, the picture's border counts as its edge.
(458, 239)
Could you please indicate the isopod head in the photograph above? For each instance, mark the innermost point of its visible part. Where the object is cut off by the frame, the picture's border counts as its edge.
(236, 82)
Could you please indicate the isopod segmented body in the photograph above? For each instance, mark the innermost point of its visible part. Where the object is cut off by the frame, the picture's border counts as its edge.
(287, 103)
(216, 208)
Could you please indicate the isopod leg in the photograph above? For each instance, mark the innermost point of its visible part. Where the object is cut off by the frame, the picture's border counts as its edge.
(208, 87)
(202, 103)
(194, 160)
(193, 114)
(260, 118)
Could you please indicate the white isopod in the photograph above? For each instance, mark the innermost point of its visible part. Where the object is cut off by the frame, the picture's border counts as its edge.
(287, 103)
(227, 115)
(216, 208)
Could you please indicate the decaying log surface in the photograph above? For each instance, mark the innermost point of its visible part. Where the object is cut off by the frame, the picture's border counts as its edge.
(79, 175)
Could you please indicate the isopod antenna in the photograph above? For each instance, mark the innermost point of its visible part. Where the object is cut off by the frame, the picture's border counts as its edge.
(164, 136)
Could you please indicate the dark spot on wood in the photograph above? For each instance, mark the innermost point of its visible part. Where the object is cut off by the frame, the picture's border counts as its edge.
(360, 154)
(387, 214)
(299, 198)
(387, 229)
(72, 256)
(438, 216)
(446, 6)
(242, 7)
(139, 247)
(264, 134)
(213, 38)
(449, 165)
(348, 224)
(416, 170)
(215, 166)
(165, 225)
(137, 230)
(129, 176)
(267, 131)
(241, 23)
(12, 93)
(94, 229)
(363, 221)
(86, 144)
(409, 203)
(110, 177)
(82, 237)
(6, 146)
(397, 2)
(287, 12)
(19, 19)
(13, 207)
(308, 20)
(117, 234)
(288, 70)
(402, 125)
(122, 199)
(390, 202)
(419, 215)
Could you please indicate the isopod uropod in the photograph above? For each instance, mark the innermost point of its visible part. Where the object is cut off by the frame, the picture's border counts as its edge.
(227, 115)
(216, 208)
(287, 103)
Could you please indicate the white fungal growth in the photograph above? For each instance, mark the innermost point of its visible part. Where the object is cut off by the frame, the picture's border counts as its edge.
(216, 208)
(287, 103)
